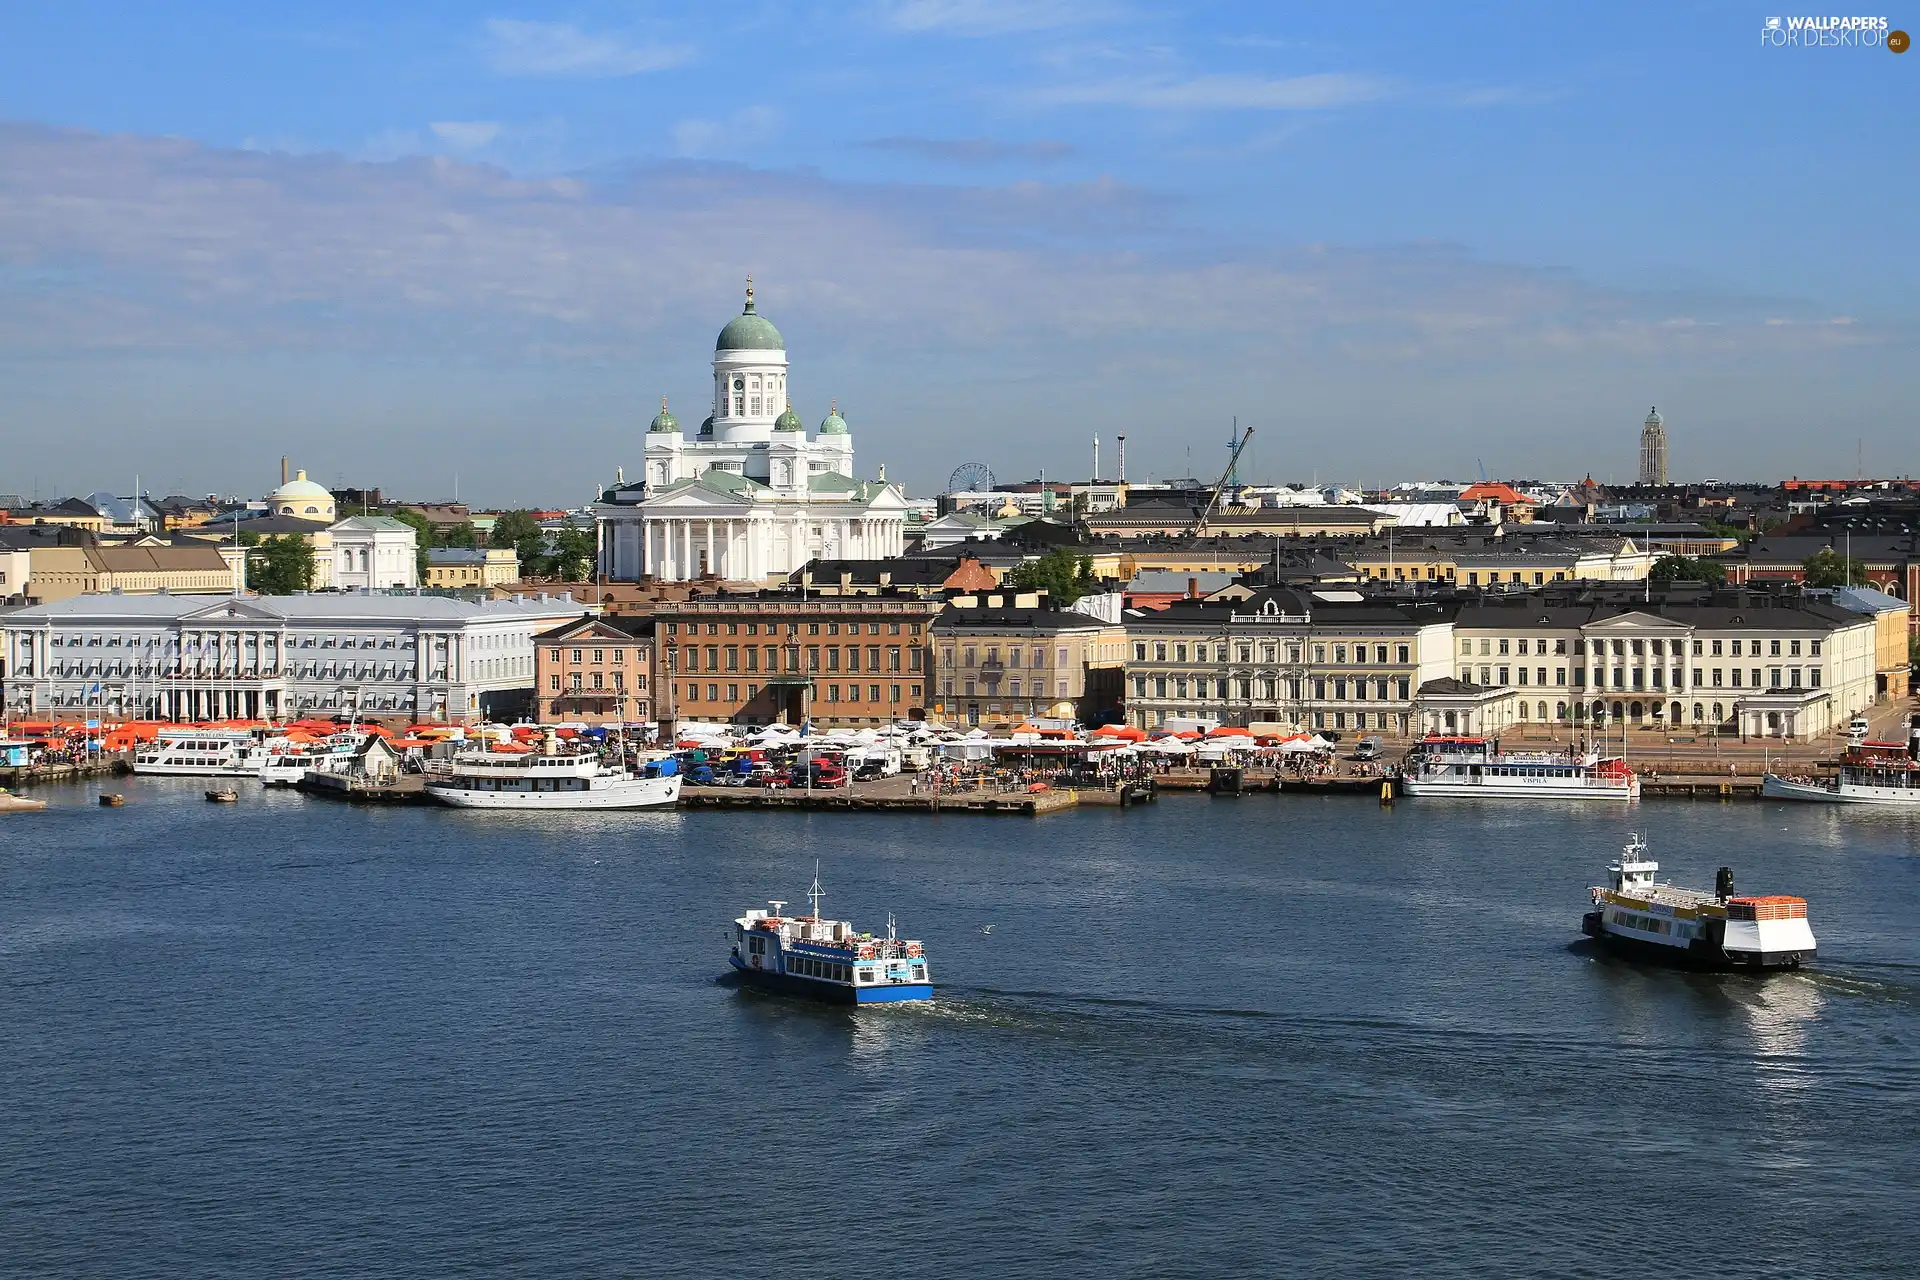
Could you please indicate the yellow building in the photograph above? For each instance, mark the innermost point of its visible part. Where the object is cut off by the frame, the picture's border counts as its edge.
(60, 573)
(1485, 560)
(1000, 664)
(476, 567)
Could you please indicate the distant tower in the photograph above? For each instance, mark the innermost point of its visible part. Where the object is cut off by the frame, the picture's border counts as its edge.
(1653, 450)
(1123, 460)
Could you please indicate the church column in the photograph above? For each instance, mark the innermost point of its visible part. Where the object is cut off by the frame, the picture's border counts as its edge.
(713, 565)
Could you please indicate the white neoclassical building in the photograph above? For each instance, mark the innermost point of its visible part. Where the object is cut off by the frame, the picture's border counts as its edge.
(750, 497)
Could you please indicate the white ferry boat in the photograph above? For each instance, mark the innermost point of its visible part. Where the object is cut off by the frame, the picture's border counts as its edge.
(1693, 928)
(204, 753)
(1477, 767)
(1870, 773)
(285, 768)
(547, 779)
(825, 959)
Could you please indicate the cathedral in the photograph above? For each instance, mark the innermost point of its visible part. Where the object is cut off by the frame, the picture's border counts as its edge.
(750, 497)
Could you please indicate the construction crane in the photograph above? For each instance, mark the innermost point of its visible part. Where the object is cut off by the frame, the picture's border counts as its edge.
(1200, 525)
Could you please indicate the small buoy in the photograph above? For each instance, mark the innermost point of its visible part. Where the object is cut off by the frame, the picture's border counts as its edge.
(1386, 791)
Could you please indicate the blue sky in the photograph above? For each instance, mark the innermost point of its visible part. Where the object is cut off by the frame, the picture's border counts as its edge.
(400, 241)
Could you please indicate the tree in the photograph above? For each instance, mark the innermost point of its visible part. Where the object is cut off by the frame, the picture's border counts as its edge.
(574, 552)
(458, 535)
(1064, 575)
(519, 531)
(280, 566)
(1686, 568)
(1828, 568)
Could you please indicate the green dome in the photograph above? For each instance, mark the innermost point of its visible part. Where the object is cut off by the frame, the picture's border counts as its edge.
(788, 421)
(833, 424)
(664, 423)
(749, 332)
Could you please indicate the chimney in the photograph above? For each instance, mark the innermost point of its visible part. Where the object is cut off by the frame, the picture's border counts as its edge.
(283, 468)
(1096, 459)
(1122, 464)
(1193, 588)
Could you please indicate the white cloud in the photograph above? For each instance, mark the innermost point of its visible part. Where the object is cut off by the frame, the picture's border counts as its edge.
(465, 135)
(989, 17)
(1226, 92)
(519, 48)
(744, 130)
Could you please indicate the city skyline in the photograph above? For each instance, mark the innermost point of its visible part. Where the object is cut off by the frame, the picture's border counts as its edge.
(405, 248)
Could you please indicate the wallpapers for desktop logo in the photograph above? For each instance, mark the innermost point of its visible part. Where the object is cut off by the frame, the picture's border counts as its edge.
(1832, 32)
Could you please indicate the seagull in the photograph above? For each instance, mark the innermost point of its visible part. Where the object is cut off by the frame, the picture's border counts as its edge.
(986, 928)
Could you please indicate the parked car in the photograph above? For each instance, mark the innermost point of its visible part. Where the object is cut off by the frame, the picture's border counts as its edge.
(870, 770)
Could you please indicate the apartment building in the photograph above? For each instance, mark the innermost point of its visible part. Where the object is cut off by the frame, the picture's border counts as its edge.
(595, 670)
(766, 657)
(1288, 658)
(997, 664)
(1762, 663)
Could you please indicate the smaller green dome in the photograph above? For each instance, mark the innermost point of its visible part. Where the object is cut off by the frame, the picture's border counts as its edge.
(833, 424)
(664, 423)
(749, 331)
(706, 428)
(788, 421)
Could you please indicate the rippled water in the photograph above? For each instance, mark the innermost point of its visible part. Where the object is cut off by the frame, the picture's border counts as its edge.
(1263, 1035)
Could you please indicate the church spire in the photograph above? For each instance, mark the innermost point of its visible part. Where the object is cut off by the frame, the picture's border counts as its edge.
(749, 308)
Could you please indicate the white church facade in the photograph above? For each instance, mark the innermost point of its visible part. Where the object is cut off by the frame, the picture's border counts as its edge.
(750, 497)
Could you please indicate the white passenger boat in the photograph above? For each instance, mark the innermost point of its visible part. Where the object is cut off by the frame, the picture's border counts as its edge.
(285, 767)
(548, 779)
(1690, 927)
(1883, 773)
(204, 753)
(1477, 767)
(824, 959)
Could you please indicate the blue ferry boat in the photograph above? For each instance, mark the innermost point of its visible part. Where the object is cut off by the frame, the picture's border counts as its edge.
(825, 959)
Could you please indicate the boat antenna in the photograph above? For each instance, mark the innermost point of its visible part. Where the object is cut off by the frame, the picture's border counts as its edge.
(814, 895)
(891, 931)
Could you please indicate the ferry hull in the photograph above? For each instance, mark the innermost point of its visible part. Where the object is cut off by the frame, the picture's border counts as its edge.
(787, 984)
(1774, 787)
(1493, 789)
(651, 793)
(1697, 955)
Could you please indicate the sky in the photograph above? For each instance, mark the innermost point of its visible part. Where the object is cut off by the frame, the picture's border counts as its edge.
(443, 247)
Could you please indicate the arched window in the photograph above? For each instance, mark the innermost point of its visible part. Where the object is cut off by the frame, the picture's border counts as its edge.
(1523, 710)
(1676, 712)
(1560, 711)
(1719, 713)
(1699, 713)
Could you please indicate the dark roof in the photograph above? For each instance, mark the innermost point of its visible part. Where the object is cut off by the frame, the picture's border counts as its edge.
(931, 569)
(988, 618)
(23, 537)
(617, 627)
(1453, 685)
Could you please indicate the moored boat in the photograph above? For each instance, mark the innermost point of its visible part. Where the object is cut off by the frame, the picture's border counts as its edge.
(203, 753)
(1450, 766)
(550, 779)
(1691, 927)
(823, 959)
(1885, 773)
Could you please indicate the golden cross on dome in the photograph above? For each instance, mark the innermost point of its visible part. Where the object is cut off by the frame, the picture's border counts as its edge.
(749, 293)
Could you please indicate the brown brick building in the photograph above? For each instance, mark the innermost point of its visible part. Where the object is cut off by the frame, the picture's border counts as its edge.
(787, 656)
(595, 670)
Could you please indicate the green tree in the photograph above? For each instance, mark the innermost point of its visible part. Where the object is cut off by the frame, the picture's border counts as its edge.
(574, 552)
(1062, 574)
(280, 566)
(1828, 568)
(519, 531)
(458, 535)
(1686, 568)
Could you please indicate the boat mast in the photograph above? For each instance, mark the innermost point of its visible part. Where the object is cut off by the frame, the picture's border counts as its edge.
(814, 894)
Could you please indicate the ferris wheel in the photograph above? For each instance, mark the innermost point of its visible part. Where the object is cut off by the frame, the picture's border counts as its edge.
(971, 477)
